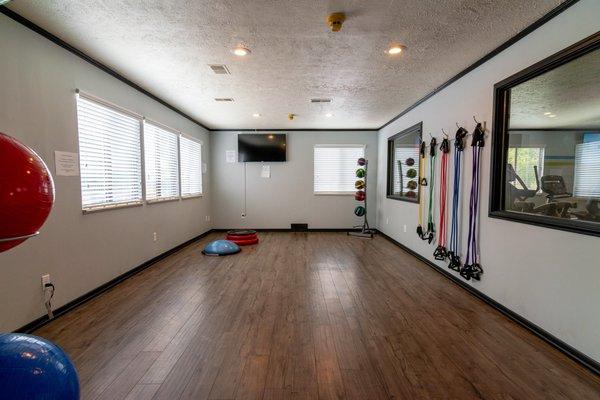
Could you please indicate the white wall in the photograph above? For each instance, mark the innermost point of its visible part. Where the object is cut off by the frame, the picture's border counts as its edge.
(287, 197)
(81, 252)
(548, 276)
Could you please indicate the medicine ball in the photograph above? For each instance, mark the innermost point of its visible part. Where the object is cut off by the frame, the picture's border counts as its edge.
(360, 173)
(411, 173)
(410, 162)
(360, 196)
(359, 184)
(359, 211)
(412, 185)
(361, 161)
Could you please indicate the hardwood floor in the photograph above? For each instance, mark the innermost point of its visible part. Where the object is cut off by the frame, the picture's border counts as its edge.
(306, 316)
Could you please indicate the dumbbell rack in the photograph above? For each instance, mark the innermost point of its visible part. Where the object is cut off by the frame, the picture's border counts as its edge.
(365, 230)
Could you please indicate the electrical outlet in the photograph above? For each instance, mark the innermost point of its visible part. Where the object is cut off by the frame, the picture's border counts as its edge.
(154, 237)
(243, 215)
(404, 227)
(45, 280)
(207, 218)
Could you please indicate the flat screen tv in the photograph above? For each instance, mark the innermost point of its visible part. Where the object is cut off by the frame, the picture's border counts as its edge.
(261, 147)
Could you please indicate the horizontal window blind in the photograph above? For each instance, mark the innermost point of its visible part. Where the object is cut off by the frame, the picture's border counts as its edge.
(335, 168)
(190, 156)
(161, 163)
(109, 154)
(587, 170)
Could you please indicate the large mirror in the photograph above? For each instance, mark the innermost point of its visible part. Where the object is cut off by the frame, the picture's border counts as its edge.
(546, 160)
(403, 164)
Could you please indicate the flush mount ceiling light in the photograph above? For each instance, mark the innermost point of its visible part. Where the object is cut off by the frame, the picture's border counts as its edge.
(547, 113)
(551, 115)
(395, 49)
(241, 51)
(329, 115)
(256, 115)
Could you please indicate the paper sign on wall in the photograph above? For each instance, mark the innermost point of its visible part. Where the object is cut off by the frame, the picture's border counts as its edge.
(66, 163)
(266, 171)
(230, 156)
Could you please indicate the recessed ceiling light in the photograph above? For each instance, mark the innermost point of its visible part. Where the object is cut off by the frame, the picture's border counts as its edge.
(256, 115)
(241, 51)
(329, 115)
(547, 113)
(395, 49)
(551, 115)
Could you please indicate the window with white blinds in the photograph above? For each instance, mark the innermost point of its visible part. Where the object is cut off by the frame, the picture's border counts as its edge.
(190, 156)
(587, 170)
(335, 168)
(109, 155)
(161, 163)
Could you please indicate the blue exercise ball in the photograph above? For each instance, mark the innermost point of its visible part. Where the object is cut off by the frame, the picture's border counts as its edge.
(34, 368)
(221, 248)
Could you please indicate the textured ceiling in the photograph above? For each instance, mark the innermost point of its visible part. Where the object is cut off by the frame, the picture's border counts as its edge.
(165, 46)
(570, 93)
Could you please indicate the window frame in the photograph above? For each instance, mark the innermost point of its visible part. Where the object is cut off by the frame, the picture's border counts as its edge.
(129, 113)
(416, 128)
(500, 142)
(177, 135)
(201, 143)
(334, 145)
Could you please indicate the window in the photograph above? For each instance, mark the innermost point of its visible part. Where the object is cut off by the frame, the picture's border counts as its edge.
(403, 164)
(587, 167)
(109, 155)
(528, 164)
(335, 168)
(190, 156)
(161, 163)
(546, 142)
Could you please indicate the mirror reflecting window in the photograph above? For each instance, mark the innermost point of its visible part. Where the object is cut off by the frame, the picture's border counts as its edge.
(550, 145)
(403, 164)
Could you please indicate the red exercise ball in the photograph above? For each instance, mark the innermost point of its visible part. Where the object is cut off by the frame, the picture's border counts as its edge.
(360, 195)
(26, 192)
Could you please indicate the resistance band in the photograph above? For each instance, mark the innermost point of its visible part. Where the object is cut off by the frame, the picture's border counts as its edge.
(430, 234)
(472, 268)
(422, 184)
(453, 252)
(441, 252)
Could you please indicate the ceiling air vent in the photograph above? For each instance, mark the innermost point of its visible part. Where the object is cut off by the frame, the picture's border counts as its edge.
(225, 99)
(320, 100)
(219, 69)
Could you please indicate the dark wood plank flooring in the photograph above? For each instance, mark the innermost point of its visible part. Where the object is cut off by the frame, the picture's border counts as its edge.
(306, 316)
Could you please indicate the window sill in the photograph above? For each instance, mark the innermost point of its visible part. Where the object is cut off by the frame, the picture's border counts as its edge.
(192, 196)
(334, 193)
(107, 207)
(166, 199)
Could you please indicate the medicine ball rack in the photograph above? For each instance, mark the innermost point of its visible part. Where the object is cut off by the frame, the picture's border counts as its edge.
(365, 230)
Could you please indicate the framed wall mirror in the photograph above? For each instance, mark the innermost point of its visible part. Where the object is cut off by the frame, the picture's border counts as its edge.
(546, 142)
(403, 164)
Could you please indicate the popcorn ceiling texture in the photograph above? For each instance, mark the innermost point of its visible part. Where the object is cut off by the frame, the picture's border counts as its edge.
(165, 46)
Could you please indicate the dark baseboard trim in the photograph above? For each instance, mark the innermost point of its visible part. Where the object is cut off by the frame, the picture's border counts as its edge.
(565, 348)
(58, 41)
(292, 230)
(547, 17)
(38, 323)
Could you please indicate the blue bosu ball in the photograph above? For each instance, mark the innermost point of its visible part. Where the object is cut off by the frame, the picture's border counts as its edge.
(221, 248)
(34, 368)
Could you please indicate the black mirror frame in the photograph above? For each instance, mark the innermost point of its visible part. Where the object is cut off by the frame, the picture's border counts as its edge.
(417, 128)
(500, 140)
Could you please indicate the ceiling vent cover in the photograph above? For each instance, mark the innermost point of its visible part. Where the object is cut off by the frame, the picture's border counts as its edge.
(219, 69)
(320, 100)
(225, 99)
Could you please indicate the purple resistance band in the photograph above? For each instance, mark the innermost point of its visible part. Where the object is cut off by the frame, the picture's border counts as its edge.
(472, 268)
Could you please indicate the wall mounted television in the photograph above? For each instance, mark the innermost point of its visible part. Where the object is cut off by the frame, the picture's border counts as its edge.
(262, 147)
